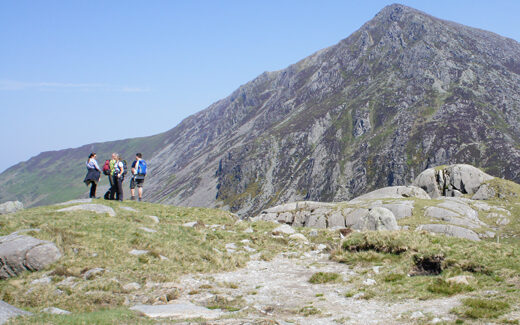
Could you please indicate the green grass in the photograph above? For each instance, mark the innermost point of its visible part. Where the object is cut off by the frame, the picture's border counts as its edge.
(493, 266)
(477, 308)
(324, 277)
(88, 240)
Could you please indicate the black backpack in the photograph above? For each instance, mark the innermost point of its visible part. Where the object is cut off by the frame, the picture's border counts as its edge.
(125, 169)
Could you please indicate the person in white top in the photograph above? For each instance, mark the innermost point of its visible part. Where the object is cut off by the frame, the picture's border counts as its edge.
(93, 174)
(118, 178)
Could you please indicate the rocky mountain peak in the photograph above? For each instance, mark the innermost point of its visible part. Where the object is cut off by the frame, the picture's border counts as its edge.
(405, 92)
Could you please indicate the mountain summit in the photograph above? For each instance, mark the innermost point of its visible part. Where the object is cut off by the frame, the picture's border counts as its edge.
(405, 92)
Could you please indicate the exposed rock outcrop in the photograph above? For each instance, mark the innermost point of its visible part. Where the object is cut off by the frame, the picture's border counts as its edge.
(10, 207)
(19, 253)
(453, 180)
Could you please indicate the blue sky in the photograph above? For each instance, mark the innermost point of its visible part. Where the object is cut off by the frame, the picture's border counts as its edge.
(77, 72)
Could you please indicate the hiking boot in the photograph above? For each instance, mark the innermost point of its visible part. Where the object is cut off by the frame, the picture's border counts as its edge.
(132, 198)
(140, 199)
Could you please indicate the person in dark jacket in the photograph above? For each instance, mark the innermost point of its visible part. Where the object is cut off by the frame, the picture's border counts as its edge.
(93, 174)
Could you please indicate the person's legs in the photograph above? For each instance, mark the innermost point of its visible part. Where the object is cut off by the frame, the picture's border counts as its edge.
(132, 188)
(120, 189)
(113, 186)
(93, 187)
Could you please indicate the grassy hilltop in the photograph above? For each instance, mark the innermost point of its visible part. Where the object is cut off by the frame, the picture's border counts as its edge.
(89, 240)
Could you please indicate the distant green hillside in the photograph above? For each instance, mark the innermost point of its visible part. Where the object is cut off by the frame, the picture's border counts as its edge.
(57, 176)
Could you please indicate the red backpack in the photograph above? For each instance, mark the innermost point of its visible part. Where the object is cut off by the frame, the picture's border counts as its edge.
(106, 167)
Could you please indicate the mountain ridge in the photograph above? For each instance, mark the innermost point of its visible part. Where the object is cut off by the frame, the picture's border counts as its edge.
(405, 92)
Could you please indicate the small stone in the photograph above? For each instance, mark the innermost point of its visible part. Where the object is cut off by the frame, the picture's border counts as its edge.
(460, 279)
(249, 230)
(190, 224)
(321, 247)
(154, 219)
(249, 249)
(376, 269)
(298, 237)
(138, 252)
(369, 282)
(132, 286)
(417, 314)
(44, 280)
(283, 230)
(313, 233)
(55, 311)
(129, 209)
(93, 273)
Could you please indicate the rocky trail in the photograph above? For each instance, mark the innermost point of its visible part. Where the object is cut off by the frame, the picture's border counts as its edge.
(279, 292)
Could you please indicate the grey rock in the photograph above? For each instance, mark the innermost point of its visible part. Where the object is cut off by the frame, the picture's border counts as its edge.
(44, 280)
(377, 219)
(355, 216)
(336, 219)
(450, 217)
(155, 219)
(10, 207)
(298, 237)
(19, 253)
(79, 201)
(128, 209)
(451, 180)
(394, 192)
(97, 208)
(55, 311)
(450, 230)
(138, 252)
(461, 208)
(284, 230)
(7, 311)
(93, 273)
(190, 224)
(133, 286)
(400, 210)
(484, 193)
(177, 310)
(285, 217)
(316, 220)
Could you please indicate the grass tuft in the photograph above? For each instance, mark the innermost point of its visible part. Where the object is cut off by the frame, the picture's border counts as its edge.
(324, 277)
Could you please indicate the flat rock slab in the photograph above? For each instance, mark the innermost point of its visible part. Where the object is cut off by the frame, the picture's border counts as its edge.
(449, 230)
(179, 310)
(7, 311)
(97, 208)
(129, 209)
(80, 201)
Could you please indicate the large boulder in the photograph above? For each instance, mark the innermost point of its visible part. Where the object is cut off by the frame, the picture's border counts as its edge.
(10, 207)
(19, 253)
(378, 218)
(394, 192)
(452, 180)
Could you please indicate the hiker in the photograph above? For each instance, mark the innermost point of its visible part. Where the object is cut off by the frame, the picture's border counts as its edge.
(138, 174)
(117, 178)
(108, 169)
(93, 174)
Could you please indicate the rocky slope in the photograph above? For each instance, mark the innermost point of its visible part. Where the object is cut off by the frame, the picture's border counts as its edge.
(405, 92)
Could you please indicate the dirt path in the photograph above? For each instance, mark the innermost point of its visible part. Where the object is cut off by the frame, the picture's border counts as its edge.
(279, 291)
